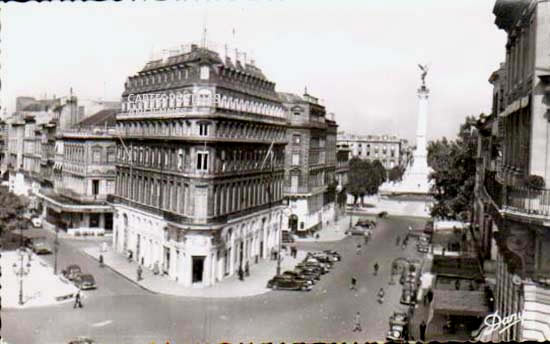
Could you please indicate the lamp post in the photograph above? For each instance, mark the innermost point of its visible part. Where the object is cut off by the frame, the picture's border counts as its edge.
(337, 199)
(21, 271)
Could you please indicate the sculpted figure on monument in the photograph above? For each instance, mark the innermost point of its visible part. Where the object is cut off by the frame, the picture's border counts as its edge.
(424, 69)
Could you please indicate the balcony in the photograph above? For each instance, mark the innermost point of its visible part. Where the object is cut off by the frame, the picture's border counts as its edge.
(527, 201)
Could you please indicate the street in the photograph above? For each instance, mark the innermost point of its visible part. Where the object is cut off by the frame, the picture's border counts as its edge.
(324, 314)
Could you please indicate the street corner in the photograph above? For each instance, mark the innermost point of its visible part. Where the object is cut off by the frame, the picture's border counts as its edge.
(28, 281)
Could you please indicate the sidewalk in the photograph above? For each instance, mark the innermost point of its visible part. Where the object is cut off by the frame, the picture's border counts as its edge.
(255, 284)
(335, 231)
(40, 286)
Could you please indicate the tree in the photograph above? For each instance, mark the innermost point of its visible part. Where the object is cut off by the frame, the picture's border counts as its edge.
(12, 208)
(454, 169)
(396, 174)
(364, 178)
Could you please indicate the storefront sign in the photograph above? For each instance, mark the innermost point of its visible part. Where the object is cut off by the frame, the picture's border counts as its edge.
(496, 323)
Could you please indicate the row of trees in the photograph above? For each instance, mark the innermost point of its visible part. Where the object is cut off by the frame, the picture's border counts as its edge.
(12, 209)
(364, 178)
(454, 169)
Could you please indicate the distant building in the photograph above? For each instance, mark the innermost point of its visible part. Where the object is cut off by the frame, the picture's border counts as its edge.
(84, 174)
(310, 162)
(388, 149)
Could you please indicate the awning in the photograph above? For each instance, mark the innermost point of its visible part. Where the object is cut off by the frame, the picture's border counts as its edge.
(460, 302)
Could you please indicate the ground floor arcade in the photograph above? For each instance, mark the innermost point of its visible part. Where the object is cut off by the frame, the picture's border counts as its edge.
(196, 255)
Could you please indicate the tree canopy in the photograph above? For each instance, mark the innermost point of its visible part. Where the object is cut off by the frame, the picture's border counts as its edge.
(454, 168)
(364, 178)
(396, 173)
(12, 208)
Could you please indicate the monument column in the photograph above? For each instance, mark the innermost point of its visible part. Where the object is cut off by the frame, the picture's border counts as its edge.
(423, 94)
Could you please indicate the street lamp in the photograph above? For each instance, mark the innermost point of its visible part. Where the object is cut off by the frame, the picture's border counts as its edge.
(21, 271)
(338, 190)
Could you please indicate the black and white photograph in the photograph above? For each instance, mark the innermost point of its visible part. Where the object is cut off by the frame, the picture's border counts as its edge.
(274, 171)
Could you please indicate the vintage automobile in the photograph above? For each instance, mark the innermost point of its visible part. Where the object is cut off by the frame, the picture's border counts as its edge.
(36, 222)
(408, 297)
(423, 247)
(85, 281)
(284, 283)
(383, 214)
(82, 340)
(366, 223)
(396, 333)
(71, 272)
(298, 276)
(334, 254)
(39, 246)
(399, 318)
(322, 262)
(308, 272)
(313, 265)
(324, 257)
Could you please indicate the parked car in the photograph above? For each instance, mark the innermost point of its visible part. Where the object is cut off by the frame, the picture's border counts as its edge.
(396, 333)
(382, 214)
(423, 247)
(315, 266)
(325, 263)
(299, 277)
(40, 247)
(366, 223)
(334, 254)
(324, 257)
(282, 283)
(85, 281)
(399, 318)
(71, 272)
(82, 340)
(408, 297)
(308, 272)
(36, 222)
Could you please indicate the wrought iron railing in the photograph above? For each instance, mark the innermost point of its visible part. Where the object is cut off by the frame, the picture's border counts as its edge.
(494, 188)
(530, 201)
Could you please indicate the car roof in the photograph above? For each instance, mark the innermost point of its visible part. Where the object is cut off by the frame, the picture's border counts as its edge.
(73, 266)
(86, 276)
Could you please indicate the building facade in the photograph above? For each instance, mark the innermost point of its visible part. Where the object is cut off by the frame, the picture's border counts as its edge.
(310, 163)
(195, 195)
(388, 149)
(83, 174)
(513, 216)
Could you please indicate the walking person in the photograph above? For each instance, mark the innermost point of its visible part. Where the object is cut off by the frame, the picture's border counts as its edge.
(353, 283)
(241, 273)
(381, 294)
(423, 330)
(139, 273)
(430, 296)
(357, 327)
(358, 249)
(246, 269)
(77, 300)
(397, 240)
(376, 268)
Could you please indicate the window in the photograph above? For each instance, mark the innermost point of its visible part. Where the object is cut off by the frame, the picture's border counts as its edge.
(295, 159)
(111, 155)
(203, 129)
(205, 72)
(296, 114)
(95, 187)
(96, 155)
(202, 161)
(296, 139)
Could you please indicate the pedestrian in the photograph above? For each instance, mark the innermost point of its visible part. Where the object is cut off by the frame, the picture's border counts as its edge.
(381, 295)
(357, 327)
(358, 249)
(241, 273)
(77, 300)
(423, 330)
(376, 268)
(100, 260)
(397, 240)
(246, 269)
(353, 284)
(430, 296)
(139, 273)
(457, 284)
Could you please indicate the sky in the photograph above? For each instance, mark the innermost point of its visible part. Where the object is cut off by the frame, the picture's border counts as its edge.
(359, 56)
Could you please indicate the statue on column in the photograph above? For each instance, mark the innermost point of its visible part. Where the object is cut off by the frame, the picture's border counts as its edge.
(424, 69)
